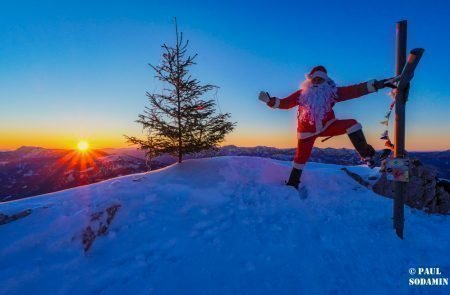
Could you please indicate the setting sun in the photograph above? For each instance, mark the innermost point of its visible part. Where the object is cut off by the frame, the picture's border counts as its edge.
(83, 146)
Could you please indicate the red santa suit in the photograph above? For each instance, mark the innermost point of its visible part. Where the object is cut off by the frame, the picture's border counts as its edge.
(308, 131)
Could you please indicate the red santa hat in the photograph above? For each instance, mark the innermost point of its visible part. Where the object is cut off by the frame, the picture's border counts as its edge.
(318, 71)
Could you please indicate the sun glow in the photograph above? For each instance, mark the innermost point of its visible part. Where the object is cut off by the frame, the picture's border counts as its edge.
(83, 146)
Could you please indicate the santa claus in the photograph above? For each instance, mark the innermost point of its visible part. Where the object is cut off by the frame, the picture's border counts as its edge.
(315, 100)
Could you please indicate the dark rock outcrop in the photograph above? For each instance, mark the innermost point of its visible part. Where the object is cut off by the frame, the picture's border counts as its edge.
(423, 191)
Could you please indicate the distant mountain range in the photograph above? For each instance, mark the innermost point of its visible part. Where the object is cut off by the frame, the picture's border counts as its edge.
(30, 171)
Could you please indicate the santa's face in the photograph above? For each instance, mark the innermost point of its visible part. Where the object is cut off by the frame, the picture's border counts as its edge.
(317, 80)
(318, 87)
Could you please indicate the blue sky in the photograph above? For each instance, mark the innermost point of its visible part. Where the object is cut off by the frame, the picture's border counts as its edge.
(79, 69)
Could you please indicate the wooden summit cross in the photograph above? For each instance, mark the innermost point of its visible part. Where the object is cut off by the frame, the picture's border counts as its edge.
(406, 70)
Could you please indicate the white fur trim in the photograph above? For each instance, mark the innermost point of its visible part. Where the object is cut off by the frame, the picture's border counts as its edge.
(370, 86)
(277, 103)
(303, 135)
(298, 166)
(354, 128)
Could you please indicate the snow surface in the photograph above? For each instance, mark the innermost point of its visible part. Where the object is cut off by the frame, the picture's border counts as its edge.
(224, 225)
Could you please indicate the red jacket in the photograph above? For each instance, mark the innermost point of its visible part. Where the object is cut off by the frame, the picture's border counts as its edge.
(304, 128)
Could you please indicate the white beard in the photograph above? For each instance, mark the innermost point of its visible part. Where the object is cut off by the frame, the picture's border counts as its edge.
(316, 100)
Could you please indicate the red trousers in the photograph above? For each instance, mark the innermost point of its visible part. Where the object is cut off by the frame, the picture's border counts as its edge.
(304, 147)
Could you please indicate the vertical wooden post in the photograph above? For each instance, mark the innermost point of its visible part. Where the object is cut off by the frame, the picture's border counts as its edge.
(400, 102)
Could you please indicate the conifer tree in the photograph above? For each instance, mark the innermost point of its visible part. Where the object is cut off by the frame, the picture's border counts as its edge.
(179, 121)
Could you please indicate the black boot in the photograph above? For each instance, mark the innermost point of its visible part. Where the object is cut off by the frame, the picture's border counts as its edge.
(366, 151)
(294, 178)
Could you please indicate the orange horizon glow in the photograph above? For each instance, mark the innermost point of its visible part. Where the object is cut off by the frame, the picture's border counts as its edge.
(424, 142)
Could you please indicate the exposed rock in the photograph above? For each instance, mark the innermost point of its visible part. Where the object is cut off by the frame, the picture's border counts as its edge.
(4, 218)
(423, 191)
(443, 196)
(356, 177)
(99, 224)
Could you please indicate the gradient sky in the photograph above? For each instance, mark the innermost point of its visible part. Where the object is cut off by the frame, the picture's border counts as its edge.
(74, 70)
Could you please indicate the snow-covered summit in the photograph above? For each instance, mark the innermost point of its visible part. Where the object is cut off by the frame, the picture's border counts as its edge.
(224, 225)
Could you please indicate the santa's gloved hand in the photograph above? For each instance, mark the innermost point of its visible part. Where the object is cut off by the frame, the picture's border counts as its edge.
(389, 82)
(379, 84)
(264, 96)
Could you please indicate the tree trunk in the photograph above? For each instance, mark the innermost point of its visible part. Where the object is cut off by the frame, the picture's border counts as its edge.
(177, 86)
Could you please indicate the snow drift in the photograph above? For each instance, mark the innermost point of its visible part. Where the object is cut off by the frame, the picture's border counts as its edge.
(224, 225)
